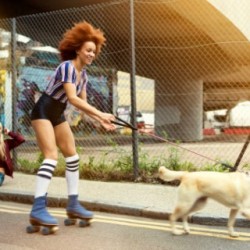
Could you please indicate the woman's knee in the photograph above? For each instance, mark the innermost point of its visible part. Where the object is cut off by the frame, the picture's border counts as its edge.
(53, 155)
(68, 151)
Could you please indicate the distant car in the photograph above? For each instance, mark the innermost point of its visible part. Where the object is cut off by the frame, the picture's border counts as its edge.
(140, 120)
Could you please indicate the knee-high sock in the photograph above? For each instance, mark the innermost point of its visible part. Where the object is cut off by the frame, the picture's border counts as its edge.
(44, 176)
(72, 174)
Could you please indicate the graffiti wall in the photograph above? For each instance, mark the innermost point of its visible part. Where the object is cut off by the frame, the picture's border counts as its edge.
(32, 82)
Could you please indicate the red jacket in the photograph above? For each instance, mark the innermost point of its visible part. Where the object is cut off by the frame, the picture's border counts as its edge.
(16, 140)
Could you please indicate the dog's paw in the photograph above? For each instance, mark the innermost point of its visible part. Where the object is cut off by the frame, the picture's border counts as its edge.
(177, 232)
(234, 234)
(186, 231)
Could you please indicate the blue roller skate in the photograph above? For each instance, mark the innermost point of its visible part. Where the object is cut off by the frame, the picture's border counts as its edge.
(2, 175)
(39, 216)
(76, 211)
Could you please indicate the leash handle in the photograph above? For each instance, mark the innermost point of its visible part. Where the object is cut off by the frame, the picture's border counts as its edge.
(123, 123)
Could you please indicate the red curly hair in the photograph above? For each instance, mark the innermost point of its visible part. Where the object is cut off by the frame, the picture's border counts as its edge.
(74, 38)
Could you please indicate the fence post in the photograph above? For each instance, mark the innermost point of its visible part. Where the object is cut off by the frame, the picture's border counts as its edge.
(13, 83)
(133, 91)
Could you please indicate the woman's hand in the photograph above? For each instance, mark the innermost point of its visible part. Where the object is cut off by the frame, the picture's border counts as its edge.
(106, 121)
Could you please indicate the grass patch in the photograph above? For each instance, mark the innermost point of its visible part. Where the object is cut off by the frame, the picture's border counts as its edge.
(121, 168)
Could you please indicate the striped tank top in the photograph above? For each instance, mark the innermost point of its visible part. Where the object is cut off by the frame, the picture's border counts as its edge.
(65, 73)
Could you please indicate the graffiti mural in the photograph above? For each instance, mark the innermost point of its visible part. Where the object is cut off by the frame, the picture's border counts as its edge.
(33, 81)
(2, 95)
(30, 84)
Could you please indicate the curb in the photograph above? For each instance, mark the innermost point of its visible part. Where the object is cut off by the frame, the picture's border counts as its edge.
(123, 209)
(91, 205)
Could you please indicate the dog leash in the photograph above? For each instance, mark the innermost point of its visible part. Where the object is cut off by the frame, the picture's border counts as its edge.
(226, 165)
(123, 123)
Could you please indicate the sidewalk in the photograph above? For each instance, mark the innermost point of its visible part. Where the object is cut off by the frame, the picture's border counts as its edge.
(136, 199)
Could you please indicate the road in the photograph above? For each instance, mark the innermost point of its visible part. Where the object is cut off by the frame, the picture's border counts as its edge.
(111, 232)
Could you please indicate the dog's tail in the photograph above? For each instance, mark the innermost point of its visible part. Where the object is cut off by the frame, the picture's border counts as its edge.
(170, 175)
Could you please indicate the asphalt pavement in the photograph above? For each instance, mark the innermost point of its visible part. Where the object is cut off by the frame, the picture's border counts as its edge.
(136, 199)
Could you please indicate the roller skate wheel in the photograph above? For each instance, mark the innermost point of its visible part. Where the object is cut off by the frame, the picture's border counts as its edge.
(46, 231)
(54, 229)
(84, 223)
(49, 230)
(32, 229)
(69, 222)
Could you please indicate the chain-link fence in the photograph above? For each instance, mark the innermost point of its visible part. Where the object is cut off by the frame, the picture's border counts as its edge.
(177, 68)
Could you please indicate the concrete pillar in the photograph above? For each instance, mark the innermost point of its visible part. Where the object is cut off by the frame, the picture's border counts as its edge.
(179, 110)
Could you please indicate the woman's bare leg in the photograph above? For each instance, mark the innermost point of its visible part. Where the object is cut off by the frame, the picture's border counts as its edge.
(66, 142)
(46, 141)
(45, 136)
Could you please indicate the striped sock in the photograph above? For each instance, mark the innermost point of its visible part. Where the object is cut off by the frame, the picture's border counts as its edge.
(44, 176)
(72, 174)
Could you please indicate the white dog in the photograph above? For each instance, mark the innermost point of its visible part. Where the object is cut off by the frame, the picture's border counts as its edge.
(229, 189)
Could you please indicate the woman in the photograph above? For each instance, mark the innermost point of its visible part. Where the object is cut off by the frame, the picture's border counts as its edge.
(79, 47)
(6, 166)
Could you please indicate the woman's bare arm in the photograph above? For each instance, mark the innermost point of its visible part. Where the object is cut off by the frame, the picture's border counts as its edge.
(82, 104)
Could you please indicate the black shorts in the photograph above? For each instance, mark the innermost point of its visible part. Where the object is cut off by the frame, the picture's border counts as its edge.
(49, 109)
